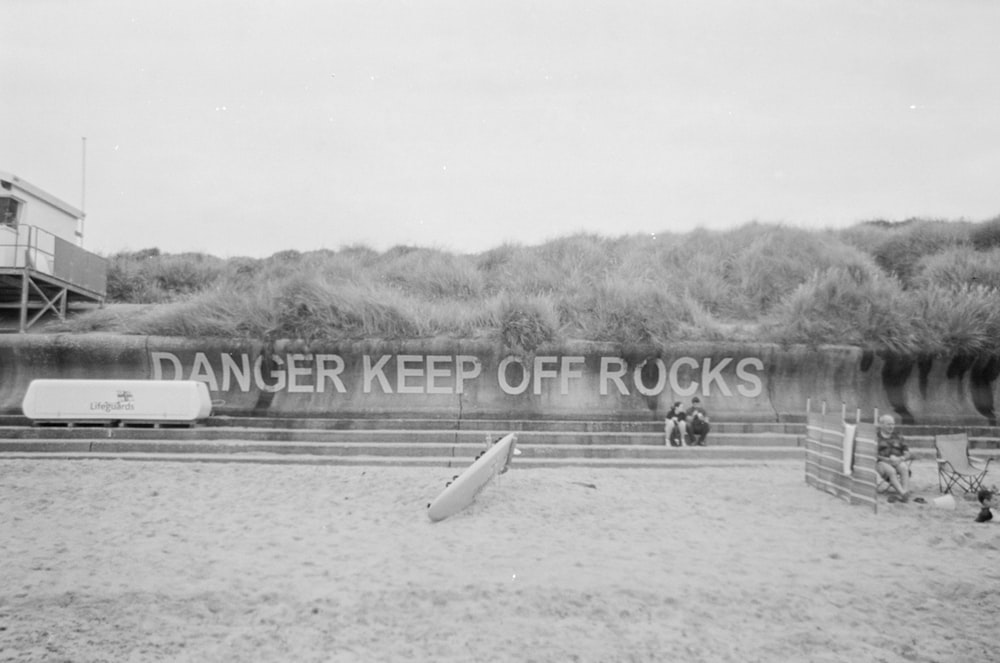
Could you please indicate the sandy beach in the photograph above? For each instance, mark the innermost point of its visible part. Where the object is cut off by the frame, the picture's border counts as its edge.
(154, 561)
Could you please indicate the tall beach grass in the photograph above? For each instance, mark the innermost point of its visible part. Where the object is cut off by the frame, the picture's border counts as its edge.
(921, 286)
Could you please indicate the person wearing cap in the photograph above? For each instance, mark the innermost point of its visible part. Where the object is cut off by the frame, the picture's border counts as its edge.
(675, 427)
(698, 423)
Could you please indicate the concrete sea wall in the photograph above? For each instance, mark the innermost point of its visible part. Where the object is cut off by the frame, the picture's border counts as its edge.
(472, 379)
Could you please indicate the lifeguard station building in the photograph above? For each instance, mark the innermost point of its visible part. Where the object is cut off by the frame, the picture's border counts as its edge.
(43, 267)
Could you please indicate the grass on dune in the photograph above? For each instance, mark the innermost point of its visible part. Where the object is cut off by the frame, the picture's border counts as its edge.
(916, 287)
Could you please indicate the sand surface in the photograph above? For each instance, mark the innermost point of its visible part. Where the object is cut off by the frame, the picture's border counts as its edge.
(144, 561)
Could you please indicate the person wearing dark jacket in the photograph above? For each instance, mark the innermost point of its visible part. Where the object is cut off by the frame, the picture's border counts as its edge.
(698, 423)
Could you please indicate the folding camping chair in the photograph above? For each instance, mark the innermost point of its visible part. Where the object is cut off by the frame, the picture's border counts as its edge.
(955, 466)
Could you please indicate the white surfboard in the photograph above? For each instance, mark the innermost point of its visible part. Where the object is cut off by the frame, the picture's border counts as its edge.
(461, 492)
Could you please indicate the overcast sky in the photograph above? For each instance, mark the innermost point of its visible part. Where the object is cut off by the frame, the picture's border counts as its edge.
(248, 127)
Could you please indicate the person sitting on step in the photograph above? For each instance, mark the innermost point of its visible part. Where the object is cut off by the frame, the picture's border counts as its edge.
(698, 423)
(674, 426)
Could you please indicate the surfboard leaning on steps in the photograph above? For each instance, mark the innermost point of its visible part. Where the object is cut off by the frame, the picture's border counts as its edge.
(462, 491)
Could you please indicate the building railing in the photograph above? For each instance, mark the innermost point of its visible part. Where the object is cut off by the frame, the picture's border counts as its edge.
(39, 250)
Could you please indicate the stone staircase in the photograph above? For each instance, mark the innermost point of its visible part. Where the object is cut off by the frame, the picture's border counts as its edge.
(403, 441)
(426, 442)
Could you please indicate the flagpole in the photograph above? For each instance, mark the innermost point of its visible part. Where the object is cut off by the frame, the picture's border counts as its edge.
(83, 192)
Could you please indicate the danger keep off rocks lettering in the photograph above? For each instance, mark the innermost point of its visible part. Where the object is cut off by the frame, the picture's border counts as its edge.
(455, 374)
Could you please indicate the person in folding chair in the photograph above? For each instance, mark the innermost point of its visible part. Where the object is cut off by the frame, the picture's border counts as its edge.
(893, 461)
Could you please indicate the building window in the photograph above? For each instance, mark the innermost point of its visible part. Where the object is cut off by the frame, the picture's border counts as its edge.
(9, 209)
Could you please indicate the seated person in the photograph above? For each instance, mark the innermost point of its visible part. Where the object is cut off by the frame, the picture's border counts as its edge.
(893, 457)
(675, 428)
(698, 422)
(987, 500)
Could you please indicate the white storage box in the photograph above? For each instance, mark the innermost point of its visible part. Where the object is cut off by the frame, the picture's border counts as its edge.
(145, 401)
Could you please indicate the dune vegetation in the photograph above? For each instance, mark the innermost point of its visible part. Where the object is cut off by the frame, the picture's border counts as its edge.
(918, 287)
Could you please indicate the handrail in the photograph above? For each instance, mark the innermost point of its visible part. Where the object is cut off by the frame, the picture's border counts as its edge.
(23, 236)
(31, 247)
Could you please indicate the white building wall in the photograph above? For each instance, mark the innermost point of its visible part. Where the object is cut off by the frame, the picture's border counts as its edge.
(8, 247)
(43, 210)
(39, 213)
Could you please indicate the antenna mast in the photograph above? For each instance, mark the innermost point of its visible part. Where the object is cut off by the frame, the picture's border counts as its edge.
(83, 193)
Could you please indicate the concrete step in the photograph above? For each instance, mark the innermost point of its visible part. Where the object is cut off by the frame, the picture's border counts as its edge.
(651, 424)
(747, 437)
(451, 464)
(411, 424)
(431, 442)
(406, 454)
(724, 432)
(983, 443)
(273, 435)
(365, 442)
(510, 425)
(464, 451)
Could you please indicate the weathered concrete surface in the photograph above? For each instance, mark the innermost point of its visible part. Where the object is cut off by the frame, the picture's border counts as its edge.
(24, 358)
(954, 390)
(462, 380)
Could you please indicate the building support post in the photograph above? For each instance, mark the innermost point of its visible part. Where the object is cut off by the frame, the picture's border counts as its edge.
(25, 279)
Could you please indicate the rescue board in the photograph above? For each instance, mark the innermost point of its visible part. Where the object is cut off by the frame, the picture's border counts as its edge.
(462, 491)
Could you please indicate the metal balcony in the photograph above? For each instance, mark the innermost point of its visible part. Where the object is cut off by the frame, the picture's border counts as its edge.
(41, 273)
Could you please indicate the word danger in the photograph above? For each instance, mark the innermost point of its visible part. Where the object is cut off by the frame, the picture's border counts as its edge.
(451, 374)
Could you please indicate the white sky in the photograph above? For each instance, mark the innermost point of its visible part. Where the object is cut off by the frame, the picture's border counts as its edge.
(248, 127)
